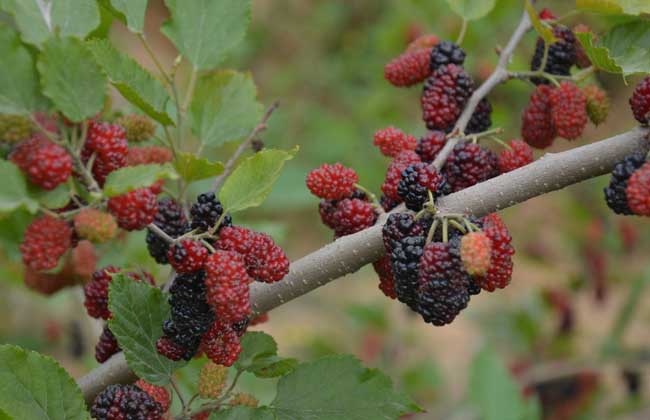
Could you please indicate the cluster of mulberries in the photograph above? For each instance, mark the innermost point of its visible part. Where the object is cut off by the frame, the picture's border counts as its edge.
(344, 208)
(561, 111)
(209, 299)
(628, 192)
(142, 401)
(436, 279)
(50, 242)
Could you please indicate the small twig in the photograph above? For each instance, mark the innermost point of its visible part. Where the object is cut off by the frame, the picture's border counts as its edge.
(161, 233)
(463, 31)
(179, 393)
(243, 147)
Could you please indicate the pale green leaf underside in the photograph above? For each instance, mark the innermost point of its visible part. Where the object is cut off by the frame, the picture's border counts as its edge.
(471, 9)
(18, 81)
(204, 31)
(192, 168)
(13, 189)
(338, 388)
(136, 84)
(33, 386)
(138, 313)
(133, 177)
(224, 108)
(625, 49)
(252, 181)
(134, 12)
(67, 18)
(493, 391)
(630, 7)
(71, 78)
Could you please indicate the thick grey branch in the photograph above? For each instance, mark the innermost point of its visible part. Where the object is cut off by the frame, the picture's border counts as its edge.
(350, 253)
(498, 76)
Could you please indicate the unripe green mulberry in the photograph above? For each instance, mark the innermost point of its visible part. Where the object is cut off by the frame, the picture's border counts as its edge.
(244, 399)
(95, 225)
(138, 127)
(212, 380)
(14, 128)
(597, 104)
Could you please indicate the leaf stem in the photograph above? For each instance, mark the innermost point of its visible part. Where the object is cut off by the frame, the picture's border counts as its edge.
(463, 31)
(190, 89)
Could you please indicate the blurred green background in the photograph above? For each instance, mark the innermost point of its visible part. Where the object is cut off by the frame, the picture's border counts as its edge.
(323, 60)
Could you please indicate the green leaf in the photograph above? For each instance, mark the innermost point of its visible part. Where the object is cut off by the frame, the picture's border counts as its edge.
(224, 107)
(33, 386)
(71, 78)
(204, 31)
(542, 30)
(55, 199)
(136, 84)
(272, 366)
(599, 56)
(134, 12)
(255, 344)
(138, 313)
(243, 413)
(338, 387)
(192, 168)
(623, 50)
(252, 181)
(66, 17)
(13, 190)
(259, 356)
(18, 81)
(133, 177)
(471, 9)
(630, 7)
(493, 391)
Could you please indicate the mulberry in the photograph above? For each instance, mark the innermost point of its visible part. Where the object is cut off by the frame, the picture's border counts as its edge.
(408, 69)
(206, 212)
(446, 52)
(519, 154)
(429, 145)
(569, 110)
(561, 55)
(394, 174)
(106, 346)
(442, 284)
(481, 118)
(44, 243)
(638, 191)
(444, 97)
(615, 193)
(134, 210)
(537, 127)
(170, 218)
(122, 402)
(46, 164)
(597, 104)
(95, 225)
(353, 215)
(227, 286)
(187, 255)
(640, 101)
(416, 183)
(500, 271)
(107, 143)
(470, 164)
(333, 182)
(391, 141)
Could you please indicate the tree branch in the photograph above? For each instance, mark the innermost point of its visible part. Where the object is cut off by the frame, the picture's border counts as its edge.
(349, 253)
(498, 76)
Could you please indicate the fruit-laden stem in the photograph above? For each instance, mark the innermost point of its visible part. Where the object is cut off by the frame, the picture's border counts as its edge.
(349, 253)
(498, 76)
